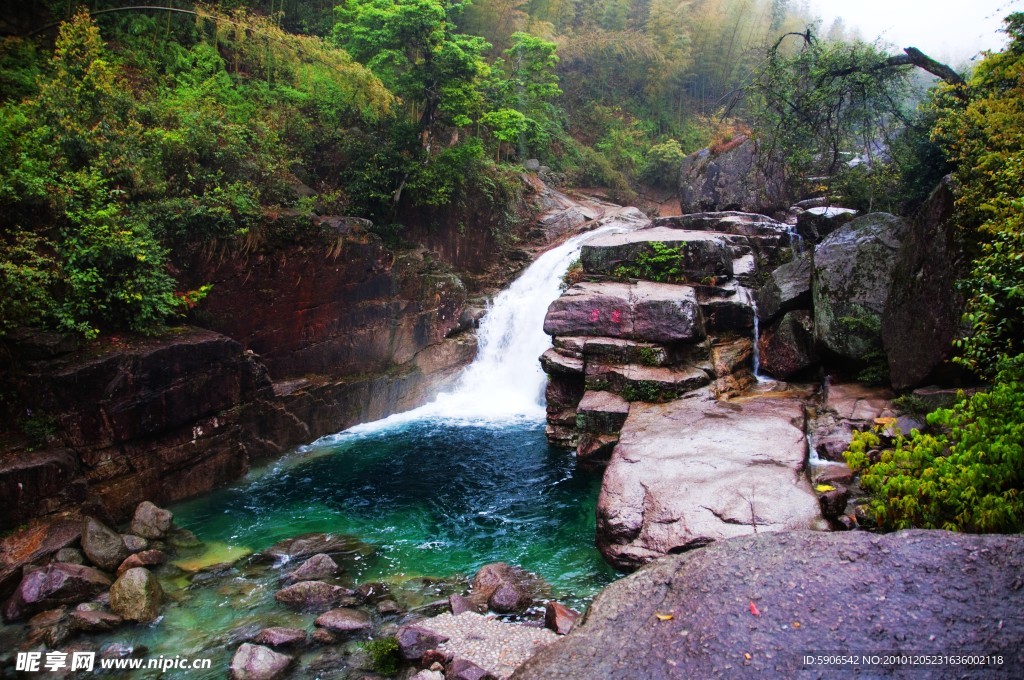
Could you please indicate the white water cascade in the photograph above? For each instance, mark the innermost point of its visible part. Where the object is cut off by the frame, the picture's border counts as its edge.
(505, 382)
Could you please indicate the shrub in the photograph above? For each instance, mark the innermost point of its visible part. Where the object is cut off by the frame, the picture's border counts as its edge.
(965, 474)
(383, 655)
(664, 264)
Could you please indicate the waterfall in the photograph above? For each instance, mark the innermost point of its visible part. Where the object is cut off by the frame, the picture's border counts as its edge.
(505, 381)
(748, 298)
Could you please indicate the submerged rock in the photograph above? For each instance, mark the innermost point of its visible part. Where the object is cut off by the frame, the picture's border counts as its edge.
(692, 615)
(344, 620)
(307, 545)
(281, 637)
(311, 596)
(317, 567)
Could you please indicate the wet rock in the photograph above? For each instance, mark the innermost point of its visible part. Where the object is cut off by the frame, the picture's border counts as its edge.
(732, 176)
(726, 315)
(136, 595)
(460, 604)
(134, 543)
(697, 470)
(122, 650)
(787, 347)
(31, 544)
(651, 312)
(322, 636)
(255, 662)
(93, 621)
(69, 556)
(50, 628)
(150, 521)
(389, 608)
(701, 254)
(307, 545)
(102, 545)
(345, 621)
(414, 642)
(317, 567)
(509, 598)
(54, 585)
(853, 273)
(146, 558)
(600, 412)
(372, 592)
(559, 618)
(492, 576)
(833, 502)
(555, 363)
(817, 222)
(848, 591)
(788, 288)
(312, 596)
(838, 474)
(183, 539)
(281, 637)
(594, 450)
(726, 222)
(464, 669)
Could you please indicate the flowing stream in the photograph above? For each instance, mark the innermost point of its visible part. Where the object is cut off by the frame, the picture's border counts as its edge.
(431, 494)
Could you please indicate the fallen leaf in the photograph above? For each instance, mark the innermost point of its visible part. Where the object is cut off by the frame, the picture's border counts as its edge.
(796, 624)
(822, 488)
(663, 617)
(753, 609)
(885, 421)
(746, 655)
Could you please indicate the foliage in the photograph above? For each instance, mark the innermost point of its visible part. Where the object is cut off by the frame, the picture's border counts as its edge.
(966, 474)
(574, 274)
(647, 391)
(663, 263)
(661, 166)
(384, 656)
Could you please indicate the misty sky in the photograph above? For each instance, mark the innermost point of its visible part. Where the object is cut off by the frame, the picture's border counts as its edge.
(948, 30)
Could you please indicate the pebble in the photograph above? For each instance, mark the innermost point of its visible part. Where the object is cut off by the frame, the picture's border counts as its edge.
(495, 646)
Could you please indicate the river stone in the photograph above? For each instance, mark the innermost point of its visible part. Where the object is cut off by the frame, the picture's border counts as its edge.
(69, 555)
(134, 543)
(458, 604)
(509, 598)
(653, 312)
(146, 558)
(559, 618)
(53, 585)
(464, 669)
(732, 176)
(102, 545)
(150, 521)
(136, 595)
(696, 470)
(51, 628)
(316, 567)
(850, 593)
(787, 347)
(312, 596)
(307, 545)
(853, 273)
(281, 637)
(702, 254)
(93, 621)
(256, 662)
(414, 641)
(372, 592)
(788, 288)
(344, 620)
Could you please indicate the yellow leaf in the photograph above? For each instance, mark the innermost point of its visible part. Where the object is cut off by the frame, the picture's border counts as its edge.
(664, 617)
(746, 655)
(885, 421)
(822, 488)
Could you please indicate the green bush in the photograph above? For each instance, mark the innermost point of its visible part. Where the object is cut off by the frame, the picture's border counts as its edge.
(661, 167)
(664, 264)
(965, 474)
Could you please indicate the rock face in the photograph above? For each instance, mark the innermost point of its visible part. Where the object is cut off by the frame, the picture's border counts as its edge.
(52, 586)
(255, 662)
(788, 289)
(136, 595)
(853, 273)
(922, 314)
(840, 592)
(787, 346)
(102, 545)
(694, 471)
(736, 177)
(815, 223)
(701, 254)
(647, 311)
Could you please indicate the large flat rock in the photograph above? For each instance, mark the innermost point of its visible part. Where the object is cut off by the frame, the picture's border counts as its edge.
(912, 593)
(702, 253)
(653, 312)
(696, 470)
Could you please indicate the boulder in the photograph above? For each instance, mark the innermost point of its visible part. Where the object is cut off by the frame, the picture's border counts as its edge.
(833, 502)
(652, 312)
(701, 254)
(922, 314)
(51, 628)
(788, 288)
(696, 470)
(504, 588)
(53, 585)
(373, 591)
(786, 347)
(102, 545)
(256, 662)
(725, 315)
(281, 637)
(646, 383)
(150, 521)
(692, 615)
(817, 222)
(509, 598)
(316, 567)
(414, 641)
(731, 356)
(307, 545)
(69, 555)
(311, 596)
(732, 176)
(30, 544)
(134, 543)
(345, 621)
(146, 558)
(559, 618)
(600, 412)
(726, 222)
(136, 595)
(93, 621)
(853, 273)
(460, 603)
